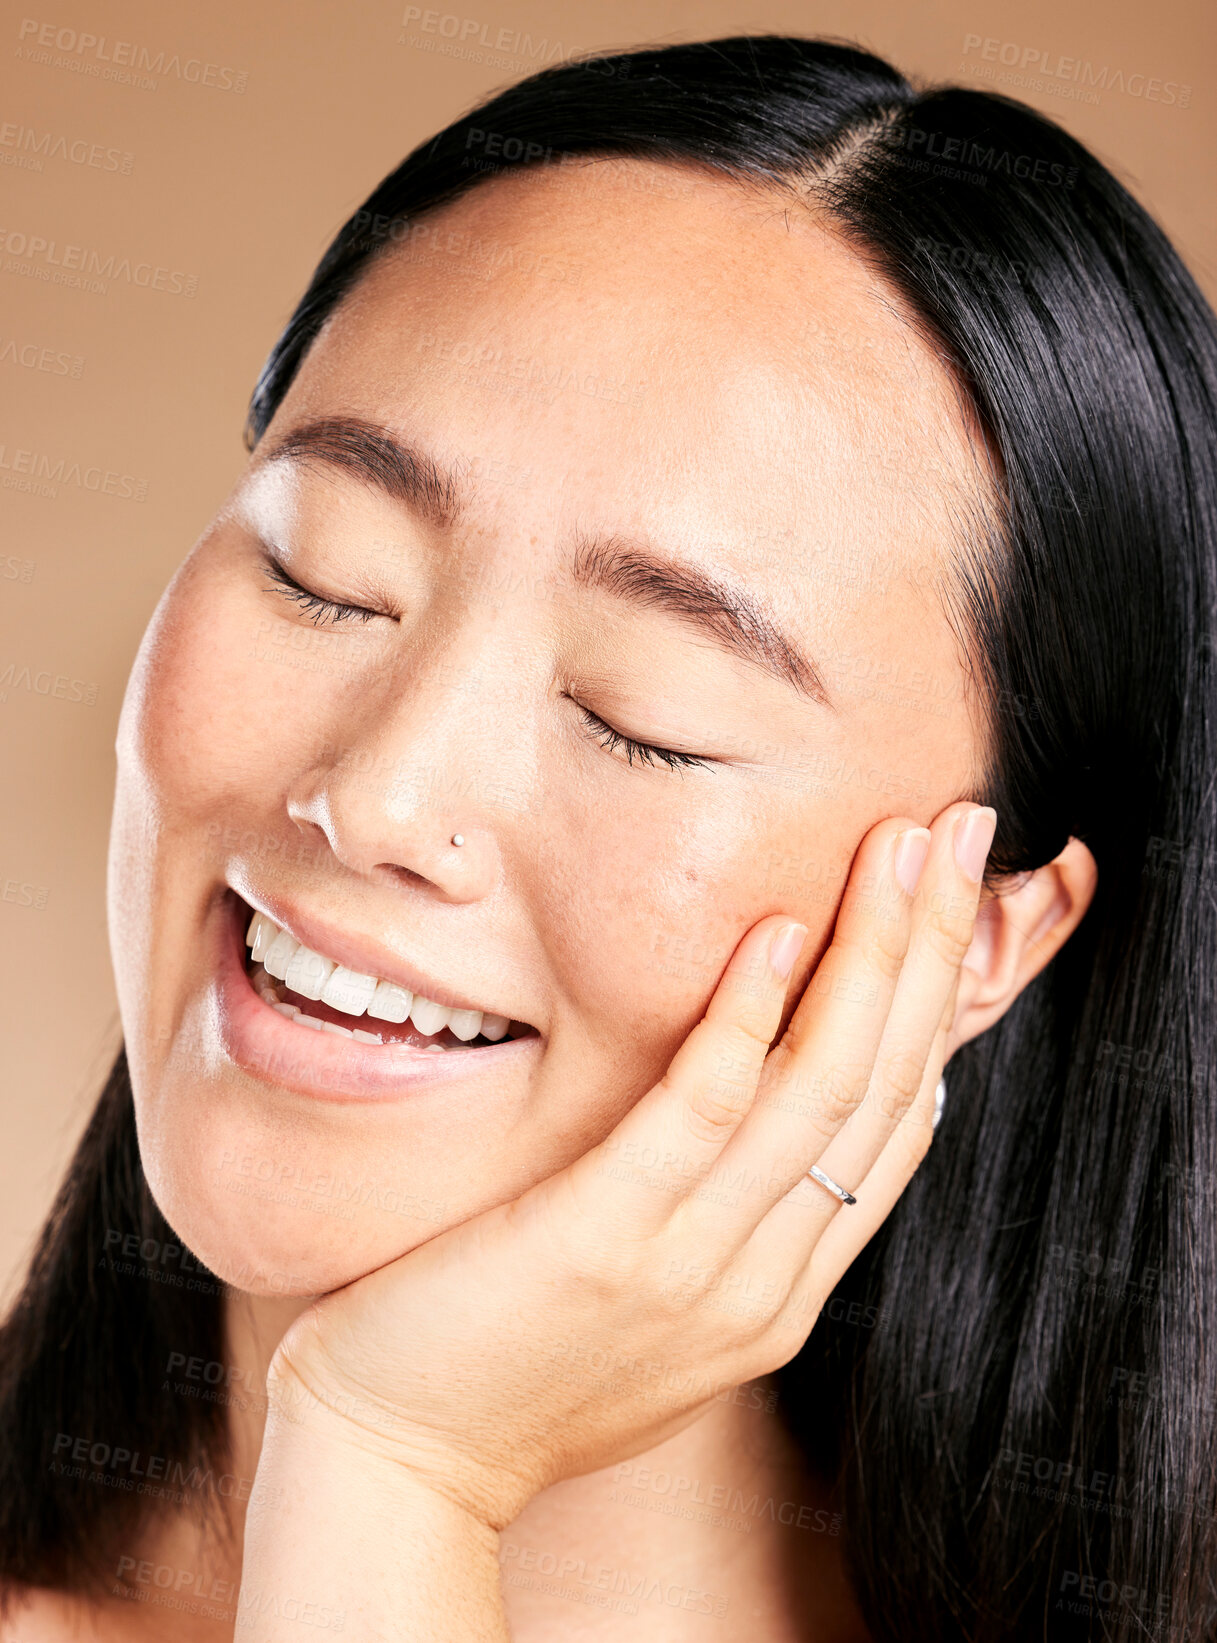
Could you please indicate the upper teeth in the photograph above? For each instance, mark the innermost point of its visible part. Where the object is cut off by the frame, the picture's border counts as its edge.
(314, 976)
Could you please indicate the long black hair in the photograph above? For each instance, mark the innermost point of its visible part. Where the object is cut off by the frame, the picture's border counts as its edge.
(1013, 1385)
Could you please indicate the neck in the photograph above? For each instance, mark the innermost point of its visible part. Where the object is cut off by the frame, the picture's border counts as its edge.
(717, 1533)
(720, 1531)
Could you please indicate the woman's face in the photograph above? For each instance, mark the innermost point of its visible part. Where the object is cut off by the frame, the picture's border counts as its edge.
(670, 456)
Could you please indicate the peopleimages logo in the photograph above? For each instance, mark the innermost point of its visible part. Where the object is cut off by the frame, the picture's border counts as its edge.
(41, 145)
(25, 470)
(85, 264)
(87, 53)
(1031, 60)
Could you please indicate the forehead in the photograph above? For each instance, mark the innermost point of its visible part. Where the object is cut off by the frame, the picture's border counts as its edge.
(651, 349)
(654, 340)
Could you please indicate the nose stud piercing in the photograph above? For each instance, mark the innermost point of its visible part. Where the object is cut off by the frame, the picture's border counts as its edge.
(458, 838)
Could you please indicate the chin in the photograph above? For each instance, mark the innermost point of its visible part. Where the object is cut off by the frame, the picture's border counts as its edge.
(281, 1222)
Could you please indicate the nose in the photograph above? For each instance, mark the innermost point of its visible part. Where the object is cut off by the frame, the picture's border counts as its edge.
(393, 789)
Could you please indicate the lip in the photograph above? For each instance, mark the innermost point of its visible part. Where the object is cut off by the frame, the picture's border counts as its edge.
(365, 957)
(270, 1047)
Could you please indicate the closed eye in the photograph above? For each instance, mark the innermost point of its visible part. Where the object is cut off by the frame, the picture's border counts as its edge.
(319, 611)
(644, 752)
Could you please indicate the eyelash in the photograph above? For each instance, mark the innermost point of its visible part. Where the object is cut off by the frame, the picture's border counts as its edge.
(320, 611)
(644, 752)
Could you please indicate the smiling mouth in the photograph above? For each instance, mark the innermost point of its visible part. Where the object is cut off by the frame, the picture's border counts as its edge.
(319, 995)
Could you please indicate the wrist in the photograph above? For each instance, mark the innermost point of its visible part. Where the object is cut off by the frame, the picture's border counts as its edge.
(342, 1525)
(313, 1448)
(302, 1402)
(375, 1444)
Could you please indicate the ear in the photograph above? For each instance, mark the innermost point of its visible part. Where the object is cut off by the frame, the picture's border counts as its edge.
(1017, 933)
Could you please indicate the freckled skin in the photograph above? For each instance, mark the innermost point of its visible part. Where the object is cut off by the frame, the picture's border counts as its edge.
(760, 408)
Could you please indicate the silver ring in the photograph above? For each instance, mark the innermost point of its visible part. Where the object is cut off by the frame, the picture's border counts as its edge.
(827, 1181)
(817, 1174)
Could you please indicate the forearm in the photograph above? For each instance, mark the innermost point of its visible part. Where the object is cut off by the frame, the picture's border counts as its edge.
(377, 1554)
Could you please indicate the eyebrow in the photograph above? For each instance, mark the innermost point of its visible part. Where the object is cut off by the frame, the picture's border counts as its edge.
(626, 568)
(373, 455)
(733, 619)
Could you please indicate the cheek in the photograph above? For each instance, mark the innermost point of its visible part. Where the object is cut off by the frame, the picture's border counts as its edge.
(198, 775)
(194, 733)
(650, 914)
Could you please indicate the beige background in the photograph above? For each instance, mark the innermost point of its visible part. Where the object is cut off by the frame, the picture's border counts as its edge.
(240, 191)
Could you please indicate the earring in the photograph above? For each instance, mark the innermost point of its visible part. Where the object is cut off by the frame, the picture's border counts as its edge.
(457, 838)
(940, 1095)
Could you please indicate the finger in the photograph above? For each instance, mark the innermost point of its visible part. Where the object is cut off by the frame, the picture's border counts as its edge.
(668, 1143)
(943, 925)
(821, 1070)
(895, 1120)
(839, 1236)
(877, 1193)
(845, 1236)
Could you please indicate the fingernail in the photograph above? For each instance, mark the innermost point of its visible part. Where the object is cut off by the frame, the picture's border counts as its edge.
(973, 836)
(912, 847)
(787, 945)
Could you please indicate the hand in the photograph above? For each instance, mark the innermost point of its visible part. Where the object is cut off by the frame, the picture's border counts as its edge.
(688, 1252)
